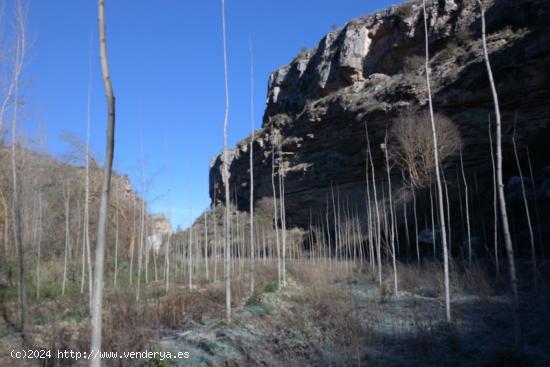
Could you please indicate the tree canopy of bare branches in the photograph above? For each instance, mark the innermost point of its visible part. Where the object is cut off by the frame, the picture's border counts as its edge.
(411, 145)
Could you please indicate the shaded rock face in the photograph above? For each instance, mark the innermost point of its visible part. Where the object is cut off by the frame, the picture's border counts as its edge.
(369, 71)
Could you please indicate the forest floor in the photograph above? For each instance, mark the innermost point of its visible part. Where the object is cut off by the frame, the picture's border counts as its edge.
(327, 315)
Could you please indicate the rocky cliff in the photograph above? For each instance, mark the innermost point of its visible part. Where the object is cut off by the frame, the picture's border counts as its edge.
(370, 70)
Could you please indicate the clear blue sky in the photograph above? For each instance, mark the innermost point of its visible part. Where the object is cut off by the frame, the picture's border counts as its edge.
(167, 68)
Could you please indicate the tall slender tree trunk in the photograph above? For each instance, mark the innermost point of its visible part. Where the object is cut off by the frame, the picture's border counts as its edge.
(415, 226)
(214, 249)
(67, 197)
(105, 189)
(527, 213)
(378, 222)
(500, 182)
(167, 263)
(370, 238)
(38, 245)
(206, 246)
(495, 203)
(537, 214)
(227, 251)
(437, 174)
(275, 212)
(117, 193)
(190, 252)
(140, 249)
(283, 215)
(466, 201)
(16, 210)
(252, 248)
(392, 221)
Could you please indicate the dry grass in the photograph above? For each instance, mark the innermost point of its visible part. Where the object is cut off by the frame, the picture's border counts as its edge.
(427, 280)
(63, 323)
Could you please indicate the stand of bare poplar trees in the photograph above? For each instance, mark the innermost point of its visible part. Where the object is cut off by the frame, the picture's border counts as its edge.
(338, 235)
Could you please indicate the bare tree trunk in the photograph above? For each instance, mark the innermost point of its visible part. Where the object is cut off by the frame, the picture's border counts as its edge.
(97, 289)
(433, 222)
(466, 200)
(155, 262)
(215, 224)
(283, 214)
(190, 251)
(378, 222)
(329, 248)
(132, 241)
(415, 225)
(527, 212)
(140, 249)
(227, 270)
(370, 238)
(495, 203)
(86, 254)
(406, 219)
(38, 246)
(147, 247)
(167, 247)
(206, 245)
(275, 212)
(167, 263)
(67, 197)
(252, 249)
(437, 175)
(21, 17)
(500, 182)
(392, 221)
(537, 215)
(117, 194)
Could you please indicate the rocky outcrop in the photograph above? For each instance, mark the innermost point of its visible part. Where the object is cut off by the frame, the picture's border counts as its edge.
(368, 71)
(161, 224)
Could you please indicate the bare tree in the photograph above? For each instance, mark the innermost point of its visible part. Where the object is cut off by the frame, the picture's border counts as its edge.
(227, 270)
(378, 221)
(252, 249)
(167, 246)
(19, 57)
(495, 203)
(282, 211)
(384, 147)
(437, 175)
(413, 150)
(117, 209)
(86, 250)
(206, 245)
(141, 244)
(527, 212)
(67, 200)
(38, 245)
(537, 214)
(500, 182)
(274, 138)
(97, 289)
(190, 251)
(467, 200)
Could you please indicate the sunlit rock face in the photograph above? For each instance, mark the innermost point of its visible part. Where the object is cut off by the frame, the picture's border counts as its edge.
(367, 72)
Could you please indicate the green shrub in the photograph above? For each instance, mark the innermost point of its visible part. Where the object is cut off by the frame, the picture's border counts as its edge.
(271, 287)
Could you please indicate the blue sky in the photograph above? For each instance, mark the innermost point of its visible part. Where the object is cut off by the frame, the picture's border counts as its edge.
(167, 69)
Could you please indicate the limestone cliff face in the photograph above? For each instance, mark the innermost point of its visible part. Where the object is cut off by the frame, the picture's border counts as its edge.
(368, 71)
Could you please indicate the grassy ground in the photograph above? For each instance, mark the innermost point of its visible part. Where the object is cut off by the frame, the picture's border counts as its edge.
(334, 315)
